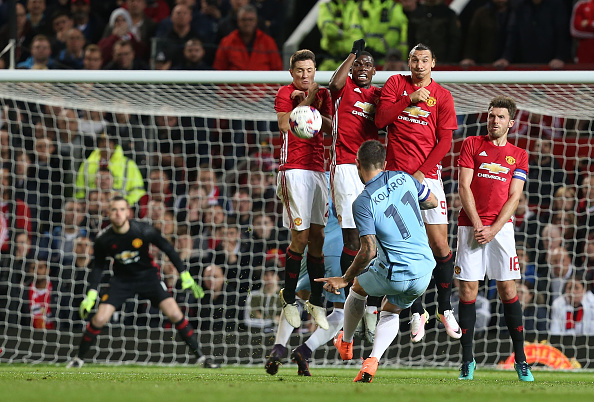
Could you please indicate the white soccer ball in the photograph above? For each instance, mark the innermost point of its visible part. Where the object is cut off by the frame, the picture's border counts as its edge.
(305, 122)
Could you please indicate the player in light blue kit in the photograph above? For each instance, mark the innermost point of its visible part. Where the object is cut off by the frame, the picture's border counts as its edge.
(301, 355)
(395, 258)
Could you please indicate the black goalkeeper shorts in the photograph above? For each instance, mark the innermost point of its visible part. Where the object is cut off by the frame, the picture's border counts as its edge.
(150, 287)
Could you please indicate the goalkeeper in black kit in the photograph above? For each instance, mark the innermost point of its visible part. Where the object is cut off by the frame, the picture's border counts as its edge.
(127, 243)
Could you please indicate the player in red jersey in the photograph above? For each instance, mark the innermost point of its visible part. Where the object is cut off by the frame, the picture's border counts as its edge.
(494, 170)
(355, 101)
(302, 186)
(421, 118)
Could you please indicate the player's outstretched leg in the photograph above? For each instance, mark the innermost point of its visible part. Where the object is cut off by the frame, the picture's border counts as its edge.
(302, 354)
(86, 342)
(186, 331)
(374, 304)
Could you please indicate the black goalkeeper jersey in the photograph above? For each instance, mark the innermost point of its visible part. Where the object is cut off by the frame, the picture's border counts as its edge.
(130, 253)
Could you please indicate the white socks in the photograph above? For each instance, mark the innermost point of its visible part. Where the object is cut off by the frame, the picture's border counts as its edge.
(354, 308)
(385, 333)
(321, 336)
(284, 331)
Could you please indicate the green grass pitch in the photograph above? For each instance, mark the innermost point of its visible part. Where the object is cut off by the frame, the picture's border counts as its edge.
(44, 383)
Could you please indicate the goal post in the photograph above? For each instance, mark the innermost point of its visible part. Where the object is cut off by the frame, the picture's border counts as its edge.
(221, 126)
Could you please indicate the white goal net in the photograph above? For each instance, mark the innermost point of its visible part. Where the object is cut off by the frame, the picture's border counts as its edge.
(206, 145)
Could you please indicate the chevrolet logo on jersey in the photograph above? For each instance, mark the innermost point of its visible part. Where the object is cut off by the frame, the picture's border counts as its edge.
(127, 257)
(415, 111)
(366, 107)
(494, 168)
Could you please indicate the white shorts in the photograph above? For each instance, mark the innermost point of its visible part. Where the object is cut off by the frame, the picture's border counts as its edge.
(345, 186)
(439, 214)
(304, 194)
(497, 259)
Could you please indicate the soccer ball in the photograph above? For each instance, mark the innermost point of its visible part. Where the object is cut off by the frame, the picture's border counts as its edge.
(305, 122)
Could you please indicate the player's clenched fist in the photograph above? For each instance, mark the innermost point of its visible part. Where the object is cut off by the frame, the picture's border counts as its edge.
(420, 95)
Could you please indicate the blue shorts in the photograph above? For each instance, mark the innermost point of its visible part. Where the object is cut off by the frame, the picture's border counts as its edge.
(332, 264)
(402, 293)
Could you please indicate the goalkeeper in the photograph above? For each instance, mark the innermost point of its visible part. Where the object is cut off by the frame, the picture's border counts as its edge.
(127, 243)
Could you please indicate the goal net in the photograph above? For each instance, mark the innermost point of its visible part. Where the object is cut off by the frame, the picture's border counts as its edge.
(206, 146)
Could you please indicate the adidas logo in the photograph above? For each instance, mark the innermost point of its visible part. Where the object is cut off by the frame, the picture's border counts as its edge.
(404, 93)
(357, 90)
(483, 153)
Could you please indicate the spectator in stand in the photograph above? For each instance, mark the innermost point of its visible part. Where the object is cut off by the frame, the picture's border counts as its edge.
(26, 189)
(6, 150)
(40, 59)
(218, 308)
(527, 265)
(337, 25)
(384, 26)
(394, 62)
(124, 58)
(242, 208)
(537, 33)
(207, 25)
(97, 215)
(40, 295)
(208, 180)
(159, 189)
(263, 307)
(266, 237)
(262, 186)
(127, 177)
(564, 199)
(178, 32)
(62, 22)
(582, 29)
(72, 56)
(487, 27)
(143, 27)
(436, 25)
(24, 36)
(560, 269)
(572, 313)
(247, 47)
(49, 176)
(157, 10)
(120, 28)
(36, 16)
(89, 23)
(272, 18)
(228, 23)
(545, 174)
(14, 213)
(72, 281)
(60, 241)
(193, 57)
(93, 58)
(585, 208)
(525, 223)
(163, 60)
(13, 264)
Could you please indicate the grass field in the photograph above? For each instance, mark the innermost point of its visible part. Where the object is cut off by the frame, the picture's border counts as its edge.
(43, 383)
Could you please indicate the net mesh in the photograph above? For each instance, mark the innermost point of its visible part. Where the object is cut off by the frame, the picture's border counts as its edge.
(207, 154)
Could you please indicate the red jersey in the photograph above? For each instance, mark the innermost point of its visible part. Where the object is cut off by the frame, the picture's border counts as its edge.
(582, 28)
(353, 120)
(39, 305)
(19, 218)
(297, 153)
(419, 135)
(494, 168)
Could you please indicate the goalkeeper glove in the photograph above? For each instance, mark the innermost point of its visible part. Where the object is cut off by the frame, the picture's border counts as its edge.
(189, 283)
(358, 47)
(88, 303)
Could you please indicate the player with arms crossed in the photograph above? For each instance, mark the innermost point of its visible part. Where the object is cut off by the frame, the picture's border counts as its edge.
(494, 170)
(127, 242)
(421, 118)
(355, 101)
(388, 216)
(302, 188)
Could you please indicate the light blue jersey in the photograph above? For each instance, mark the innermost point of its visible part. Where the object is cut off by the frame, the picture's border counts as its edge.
(332, 251)
(389, 208)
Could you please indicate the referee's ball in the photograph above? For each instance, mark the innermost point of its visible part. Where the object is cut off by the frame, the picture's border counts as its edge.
(305, 122)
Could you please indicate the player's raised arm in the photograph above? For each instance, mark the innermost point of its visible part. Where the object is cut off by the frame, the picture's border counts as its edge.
(391, 103)
(338, 80)
(187, 281)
